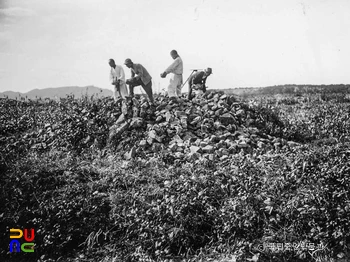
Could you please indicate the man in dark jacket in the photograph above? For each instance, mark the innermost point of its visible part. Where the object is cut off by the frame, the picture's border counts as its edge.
(139, 76)
(197, 82)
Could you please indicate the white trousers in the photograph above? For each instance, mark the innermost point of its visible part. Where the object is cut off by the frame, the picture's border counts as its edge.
(123, 91)
(174, 88)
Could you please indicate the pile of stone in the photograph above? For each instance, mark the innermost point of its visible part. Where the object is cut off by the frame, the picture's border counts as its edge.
(214, 127)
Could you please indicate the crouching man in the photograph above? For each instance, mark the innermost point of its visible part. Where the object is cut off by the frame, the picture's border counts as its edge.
(139, 77)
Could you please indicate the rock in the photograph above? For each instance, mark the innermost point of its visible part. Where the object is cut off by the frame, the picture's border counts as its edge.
(214, 139)
(180, 149)
(231, 128)
(196, 120)
(180, 113)
(227, 119)
(218, 153)
(261, 144)
(208, 149)
(224, 157)
(277, 146)
(120, 119)
(221, 144)
(150, 140)
(190, 136)
(131, 154)
(225, 152)
(243, 145)
(194, 149)
(292, 144)
(210, 157)
(136, 122)
(205, 107)
(203, 144)
(177, 138)
(168, 116)
(183, 121)
(233, 149)
(117, 130)
(157, 147)
(194, 156)
(173, 147)
(218, 125)
(161, 106)
(179, 155)
(152, 134)
(143, 143)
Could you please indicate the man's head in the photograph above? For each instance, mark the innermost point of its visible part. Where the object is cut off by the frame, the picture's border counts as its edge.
(174, 54)
(208, 71)
(128, 62)
(111, 62)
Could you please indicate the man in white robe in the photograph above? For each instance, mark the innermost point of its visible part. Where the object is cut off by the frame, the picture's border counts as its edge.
(176, 68)
(117, 78)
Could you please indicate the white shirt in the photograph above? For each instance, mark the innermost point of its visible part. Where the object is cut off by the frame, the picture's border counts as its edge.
(117, 73)
(176, 67)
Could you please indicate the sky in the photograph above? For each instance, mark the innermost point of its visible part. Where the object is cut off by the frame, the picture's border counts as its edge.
(252, 43)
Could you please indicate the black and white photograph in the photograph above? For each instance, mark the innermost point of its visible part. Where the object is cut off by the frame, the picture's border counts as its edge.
(174, 131)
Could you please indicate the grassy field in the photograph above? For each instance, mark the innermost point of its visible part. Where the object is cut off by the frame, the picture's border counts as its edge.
(284, 199)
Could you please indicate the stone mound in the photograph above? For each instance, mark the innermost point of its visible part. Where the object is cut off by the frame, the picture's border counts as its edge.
(214, 127)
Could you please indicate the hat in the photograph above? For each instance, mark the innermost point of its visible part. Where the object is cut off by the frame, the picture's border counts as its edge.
(208, 70)
(128, 61)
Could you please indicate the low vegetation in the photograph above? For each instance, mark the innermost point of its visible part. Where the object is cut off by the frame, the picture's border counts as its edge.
(87, 202)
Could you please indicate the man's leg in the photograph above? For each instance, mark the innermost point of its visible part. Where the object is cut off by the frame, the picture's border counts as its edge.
(123, 89)
(200, 93)
(179, 85)
(132, 84)
(131, 90)
(116, 93)
(148, 90)
(189, 96)
(172, 86)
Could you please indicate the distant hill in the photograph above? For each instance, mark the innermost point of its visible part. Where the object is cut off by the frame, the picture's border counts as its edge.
(286, 89)
(237, 91)
(58, 92)
(304, 89)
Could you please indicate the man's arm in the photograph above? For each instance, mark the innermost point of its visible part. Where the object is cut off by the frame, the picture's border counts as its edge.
(121, 74)
(173, 66)
(139, 73)
(204, 81)
(190, 83)
(197, 78)
(111, 77)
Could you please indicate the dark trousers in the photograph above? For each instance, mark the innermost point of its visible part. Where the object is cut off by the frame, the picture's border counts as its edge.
(147, 88)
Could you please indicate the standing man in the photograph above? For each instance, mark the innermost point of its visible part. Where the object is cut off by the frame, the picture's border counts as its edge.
(117, 78)
(139, 77)
(176, 68)
(197, 82)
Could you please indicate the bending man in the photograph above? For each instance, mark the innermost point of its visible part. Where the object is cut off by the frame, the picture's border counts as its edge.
(197, 82)
(176, 68)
